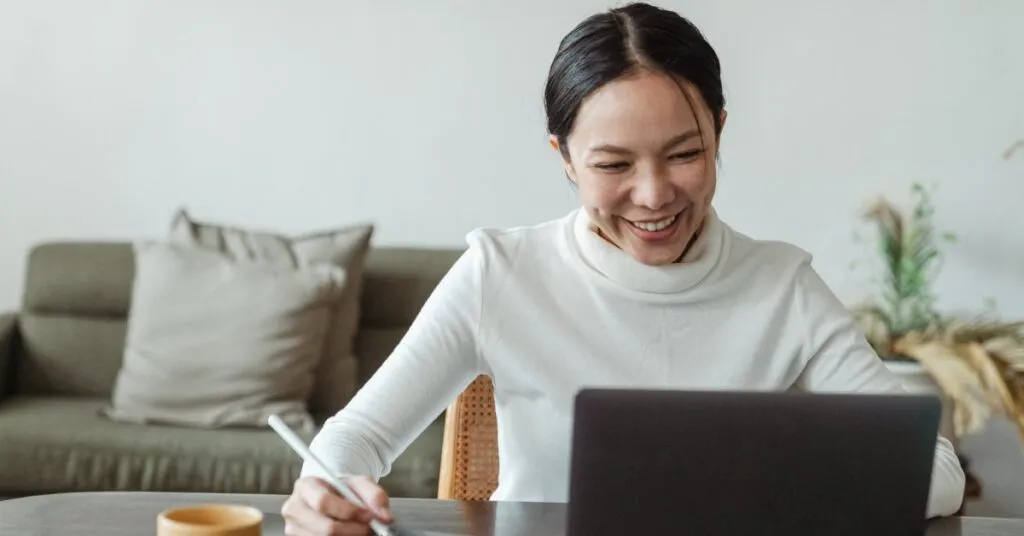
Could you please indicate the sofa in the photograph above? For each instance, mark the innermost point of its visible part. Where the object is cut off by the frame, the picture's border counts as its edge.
(60, 354)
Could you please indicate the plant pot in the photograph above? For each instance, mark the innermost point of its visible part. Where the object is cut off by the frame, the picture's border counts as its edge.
(917, 381)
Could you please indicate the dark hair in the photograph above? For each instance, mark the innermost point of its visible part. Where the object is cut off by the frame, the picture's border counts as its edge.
(620, 42)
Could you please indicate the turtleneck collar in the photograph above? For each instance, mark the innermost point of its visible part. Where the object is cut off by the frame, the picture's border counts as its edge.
(620, 268)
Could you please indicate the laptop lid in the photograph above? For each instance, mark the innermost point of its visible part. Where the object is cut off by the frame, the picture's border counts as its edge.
(738, 463)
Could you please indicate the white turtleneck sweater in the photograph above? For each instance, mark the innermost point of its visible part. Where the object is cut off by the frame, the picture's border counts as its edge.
(548, 309)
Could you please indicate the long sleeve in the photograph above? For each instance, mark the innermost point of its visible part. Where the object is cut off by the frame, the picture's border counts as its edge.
(842, 360)
(435, 360)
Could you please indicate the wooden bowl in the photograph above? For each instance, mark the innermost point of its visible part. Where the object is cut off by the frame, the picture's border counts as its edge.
(210, 520)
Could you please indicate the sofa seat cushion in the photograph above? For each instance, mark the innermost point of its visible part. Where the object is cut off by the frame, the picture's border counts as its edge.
(54, 444)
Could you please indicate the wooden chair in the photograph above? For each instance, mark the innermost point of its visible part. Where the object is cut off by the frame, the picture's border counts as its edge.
(469, 454)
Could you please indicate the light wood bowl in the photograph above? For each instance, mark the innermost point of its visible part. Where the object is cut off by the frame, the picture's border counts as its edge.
(210, 520)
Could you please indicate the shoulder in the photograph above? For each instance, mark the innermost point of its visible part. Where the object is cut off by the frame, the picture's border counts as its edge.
(505, 247)
(497, 259)
(786, 269)
(774, 260)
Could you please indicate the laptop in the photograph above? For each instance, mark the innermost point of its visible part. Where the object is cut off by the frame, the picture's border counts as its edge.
(731, 463)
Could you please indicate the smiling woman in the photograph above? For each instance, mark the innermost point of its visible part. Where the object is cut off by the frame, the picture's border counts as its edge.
(643, 286)
(637, 119)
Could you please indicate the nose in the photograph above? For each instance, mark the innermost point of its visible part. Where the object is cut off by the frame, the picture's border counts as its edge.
(653, 190)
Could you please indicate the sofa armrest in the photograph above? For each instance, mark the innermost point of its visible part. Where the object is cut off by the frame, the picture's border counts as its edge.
(8, 335)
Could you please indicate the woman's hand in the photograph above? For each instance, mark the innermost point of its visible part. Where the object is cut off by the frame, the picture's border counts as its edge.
(315, 509)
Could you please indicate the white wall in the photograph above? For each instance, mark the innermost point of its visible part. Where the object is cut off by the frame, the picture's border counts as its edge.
(426, 117)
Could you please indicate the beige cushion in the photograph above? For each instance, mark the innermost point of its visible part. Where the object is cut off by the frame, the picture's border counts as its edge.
(215, 342)
(346, 247)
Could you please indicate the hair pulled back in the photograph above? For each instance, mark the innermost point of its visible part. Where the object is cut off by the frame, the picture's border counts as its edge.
(624, 41)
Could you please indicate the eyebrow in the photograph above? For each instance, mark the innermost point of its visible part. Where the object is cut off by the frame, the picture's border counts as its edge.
(675, 140)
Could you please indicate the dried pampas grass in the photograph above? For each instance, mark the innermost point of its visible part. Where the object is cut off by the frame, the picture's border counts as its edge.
(977, 363)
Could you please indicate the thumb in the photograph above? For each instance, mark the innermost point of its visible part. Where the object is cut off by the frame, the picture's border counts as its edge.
(373, 496)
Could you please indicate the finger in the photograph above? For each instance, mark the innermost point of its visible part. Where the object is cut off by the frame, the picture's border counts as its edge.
(352, 528)
(293, 528)
(322, 526)
(302, 520)
(364, 516)
(297, 516)
(292, 511)
(373, 496)
(320, 497)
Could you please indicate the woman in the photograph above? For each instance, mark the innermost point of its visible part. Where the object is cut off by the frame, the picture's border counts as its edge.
(642, 286)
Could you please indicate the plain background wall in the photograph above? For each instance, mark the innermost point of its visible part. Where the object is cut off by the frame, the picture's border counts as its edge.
(426, 118)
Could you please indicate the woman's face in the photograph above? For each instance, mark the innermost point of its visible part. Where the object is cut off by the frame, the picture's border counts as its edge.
(645, 175)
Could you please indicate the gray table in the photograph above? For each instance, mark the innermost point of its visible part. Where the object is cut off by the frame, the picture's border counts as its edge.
(123, 514)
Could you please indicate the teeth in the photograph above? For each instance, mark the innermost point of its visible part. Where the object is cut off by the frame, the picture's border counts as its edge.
(655, 225)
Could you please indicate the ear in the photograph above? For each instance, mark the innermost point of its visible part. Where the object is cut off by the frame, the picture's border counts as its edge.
(718, 138)
(569, 171)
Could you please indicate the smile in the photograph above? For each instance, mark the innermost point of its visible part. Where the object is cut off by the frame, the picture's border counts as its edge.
(654, 226)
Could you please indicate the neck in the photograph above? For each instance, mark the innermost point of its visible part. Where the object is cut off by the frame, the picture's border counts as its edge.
(614, 265)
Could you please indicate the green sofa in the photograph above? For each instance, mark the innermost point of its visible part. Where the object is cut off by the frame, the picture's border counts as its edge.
(60, 354)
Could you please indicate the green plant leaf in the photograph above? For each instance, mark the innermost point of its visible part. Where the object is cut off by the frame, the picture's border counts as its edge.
(907, 246)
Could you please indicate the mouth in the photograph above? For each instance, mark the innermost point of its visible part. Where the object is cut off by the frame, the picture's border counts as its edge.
(657, 230)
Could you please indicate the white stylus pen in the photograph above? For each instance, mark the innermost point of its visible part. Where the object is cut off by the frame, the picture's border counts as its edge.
(296, 443)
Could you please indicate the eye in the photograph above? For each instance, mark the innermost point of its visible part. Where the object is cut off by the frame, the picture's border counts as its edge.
(612, 166)
(687, 155)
